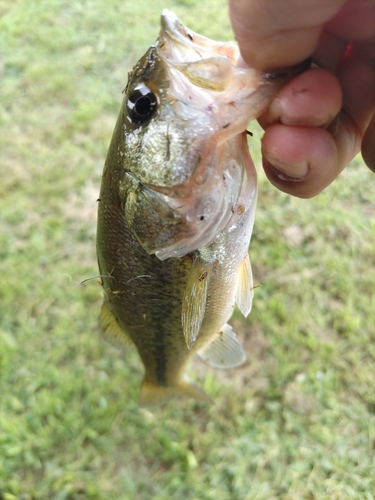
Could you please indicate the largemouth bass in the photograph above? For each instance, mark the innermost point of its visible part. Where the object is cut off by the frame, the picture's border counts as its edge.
(176, 208)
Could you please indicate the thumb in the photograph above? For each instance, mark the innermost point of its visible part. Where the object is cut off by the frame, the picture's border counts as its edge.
(277, 33)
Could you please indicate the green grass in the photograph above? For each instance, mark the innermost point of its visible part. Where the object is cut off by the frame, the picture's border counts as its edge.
(296, 422)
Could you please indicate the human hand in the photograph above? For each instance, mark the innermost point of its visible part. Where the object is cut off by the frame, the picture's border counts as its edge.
(322, 118)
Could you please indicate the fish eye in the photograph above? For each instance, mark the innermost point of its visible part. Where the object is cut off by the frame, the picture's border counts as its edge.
(141, 104)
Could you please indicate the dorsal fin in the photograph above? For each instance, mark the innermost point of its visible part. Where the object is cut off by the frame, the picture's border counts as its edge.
(194, 299)
(224, 351)
(245, 288)
(111, 331)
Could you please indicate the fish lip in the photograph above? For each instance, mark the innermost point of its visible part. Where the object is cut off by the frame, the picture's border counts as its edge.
(170, 23)
(178, 32)
(175, 29)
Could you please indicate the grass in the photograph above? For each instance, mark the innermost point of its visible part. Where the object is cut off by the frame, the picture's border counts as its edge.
(296, 422)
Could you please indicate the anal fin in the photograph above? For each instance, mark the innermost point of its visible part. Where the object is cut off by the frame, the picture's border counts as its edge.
(245, 287)
(152, 395)
(224, 351)
(194, 299)
(111, 331)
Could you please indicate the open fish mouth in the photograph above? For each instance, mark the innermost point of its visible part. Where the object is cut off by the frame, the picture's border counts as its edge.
(183, 168)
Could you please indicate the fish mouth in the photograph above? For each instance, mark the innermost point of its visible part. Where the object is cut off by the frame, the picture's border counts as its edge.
(187, 197)
(188, 46)
(236, 94)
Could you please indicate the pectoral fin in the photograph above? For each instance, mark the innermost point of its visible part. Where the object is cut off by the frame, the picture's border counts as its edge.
(224, 351)
(111, 331)
(152, 395)
(194, 300)
(244, 291)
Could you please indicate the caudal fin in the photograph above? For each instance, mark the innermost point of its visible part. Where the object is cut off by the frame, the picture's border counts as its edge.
(152, 395)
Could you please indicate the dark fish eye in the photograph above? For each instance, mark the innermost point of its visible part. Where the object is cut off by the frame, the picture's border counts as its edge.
(141, 104)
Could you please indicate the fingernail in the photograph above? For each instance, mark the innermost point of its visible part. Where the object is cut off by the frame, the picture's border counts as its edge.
(288, 172)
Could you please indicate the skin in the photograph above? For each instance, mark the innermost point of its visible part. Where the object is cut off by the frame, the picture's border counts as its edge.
(321, 119)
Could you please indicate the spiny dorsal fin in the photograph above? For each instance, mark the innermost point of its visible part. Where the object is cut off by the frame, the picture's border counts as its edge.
(194, 299)
(111, 331)
(245, 291)
(224, 351)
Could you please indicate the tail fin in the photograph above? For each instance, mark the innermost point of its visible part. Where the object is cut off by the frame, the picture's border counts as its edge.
(152, 395)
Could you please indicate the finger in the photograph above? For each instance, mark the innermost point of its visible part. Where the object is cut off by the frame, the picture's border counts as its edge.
(302, 161)
(355, 21)
(313, 98)
(357, 77)
(274, 34)
(299, 161)
(368, 145)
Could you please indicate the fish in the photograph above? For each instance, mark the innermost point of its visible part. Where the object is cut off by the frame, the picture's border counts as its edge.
(176, 208)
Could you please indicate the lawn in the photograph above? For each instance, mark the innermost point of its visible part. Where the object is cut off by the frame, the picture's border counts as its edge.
(297, 421)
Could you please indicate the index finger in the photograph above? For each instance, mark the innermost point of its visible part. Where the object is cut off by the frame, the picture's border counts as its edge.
(278, 33)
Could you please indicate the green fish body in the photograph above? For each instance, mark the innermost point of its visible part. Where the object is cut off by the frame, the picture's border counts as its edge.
(176, 208)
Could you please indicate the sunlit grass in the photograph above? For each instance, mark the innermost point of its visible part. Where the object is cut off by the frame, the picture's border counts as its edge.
(296, 422)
